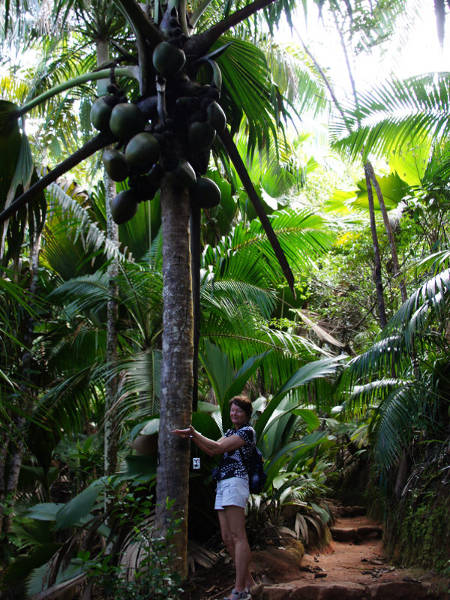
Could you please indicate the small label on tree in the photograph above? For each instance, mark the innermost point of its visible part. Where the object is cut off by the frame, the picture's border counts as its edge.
(196, 463)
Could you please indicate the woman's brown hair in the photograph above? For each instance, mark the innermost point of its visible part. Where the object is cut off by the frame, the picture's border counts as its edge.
(244, 403)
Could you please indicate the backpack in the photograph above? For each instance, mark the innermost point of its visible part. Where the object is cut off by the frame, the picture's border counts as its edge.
(255, 468)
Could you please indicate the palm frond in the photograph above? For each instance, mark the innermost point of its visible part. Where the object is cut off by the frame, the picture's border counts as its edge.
(77, 219)
(72, 402)
(228, 296)
(139, 390)
(246, 252)
(395, 114)
(83, 293)
(393, 427)
(370, 395)
(248, 91)
(430, 301)
(244, 335)
(427, 304)
(297, 78)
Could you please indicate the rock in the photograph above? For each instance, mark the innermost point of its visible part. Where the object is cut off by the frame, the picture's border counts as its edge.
(278, 592)
(344, 591)
(398, 590)
(370, 531)
(306, 590)
(276, 564)
(296, 549)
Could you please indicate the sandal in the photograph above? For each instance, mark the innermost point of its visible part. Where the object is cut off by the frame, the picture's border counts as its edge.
(235, 595)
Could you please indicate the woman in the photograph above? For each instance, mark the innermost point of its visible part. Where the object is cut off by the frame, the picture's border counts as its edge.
(232, 488)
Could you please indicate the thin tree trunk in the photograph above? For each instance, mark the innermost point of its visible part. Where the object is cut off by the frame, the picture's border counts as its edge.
(3, 459)
(376, 248)
(176, 372)
(112, 234)
(13, 461)
(112, 385)
(376, 251)
(387, 225)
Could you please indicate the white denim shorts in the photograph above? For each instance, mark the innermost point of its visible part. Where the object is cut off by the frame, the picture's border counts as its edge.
(231, 492)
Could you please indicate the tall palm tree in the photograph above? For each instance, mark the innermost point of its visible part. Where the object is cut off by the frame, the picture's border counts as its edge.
(175, 201)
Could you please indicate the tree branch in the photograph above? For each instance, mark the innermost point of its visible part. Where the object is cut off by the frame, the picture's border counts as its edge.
(93, 76)
(238, 163)
(197, 45)
(140, 22)
(98, 142)
(145, 31)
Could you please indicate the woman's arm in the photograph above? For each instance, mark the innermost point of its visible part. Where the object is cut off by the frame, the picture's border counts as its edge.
(211, 447)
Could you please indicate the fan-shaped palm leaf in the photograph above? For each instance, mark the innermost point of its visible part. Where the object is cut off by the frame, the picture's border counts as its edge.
(393, 425)
(427, 304)
(246, 254)
(297, 78)
(248, 90)
(396, 113)
(66, 214)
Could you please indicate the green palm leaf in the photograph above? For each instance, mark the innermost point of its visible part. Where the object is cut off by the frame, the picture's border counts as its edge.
(395, 114)
(308, 373)
(64, 251)
(297, 79)
(247, 253)
(248, 91)
(393, 425)
(427, 304)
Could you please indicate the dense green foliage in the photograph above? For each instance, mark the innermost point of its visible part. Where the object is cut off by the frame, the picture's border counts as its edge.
(336, 395)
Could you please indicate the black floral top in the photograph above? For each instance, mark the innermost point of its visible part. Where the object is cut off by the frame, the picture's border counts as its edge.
(231, 464)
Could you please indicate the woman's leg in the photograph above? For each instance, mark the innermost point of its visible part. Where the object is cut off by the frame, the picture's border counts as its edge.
(234, 525)
(225, 532)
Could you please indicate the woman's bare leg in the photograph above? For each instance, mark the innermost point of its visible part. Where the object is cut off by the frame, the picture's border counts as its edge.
(234, 520)
(225, 532)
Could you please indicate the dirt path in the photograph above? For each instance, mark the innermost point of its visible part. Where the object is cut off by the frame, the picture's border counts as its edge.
(352, 567)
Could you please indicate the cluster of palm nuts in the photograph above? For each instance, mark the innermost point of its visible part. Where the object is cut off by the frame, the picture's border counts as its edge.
(169, 133)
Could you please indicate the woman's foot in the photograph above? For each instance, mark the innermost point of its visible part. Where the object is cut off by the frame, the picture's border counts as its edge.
(235, 595)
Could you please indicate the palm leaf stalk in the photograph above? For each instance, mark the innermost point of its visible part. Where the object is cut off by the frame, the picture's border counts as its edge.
(243, 174)
(91, 147)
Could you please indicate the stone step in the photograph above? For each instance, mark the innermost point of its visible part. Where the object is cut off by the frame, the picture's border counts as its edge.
(322, 590)
(356, 535)
(349, 511)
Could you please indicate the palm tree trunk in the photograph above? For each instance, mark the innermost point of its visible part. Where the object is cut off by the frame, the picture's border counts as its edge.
(177, 372)
(376, 251)
(395, 265)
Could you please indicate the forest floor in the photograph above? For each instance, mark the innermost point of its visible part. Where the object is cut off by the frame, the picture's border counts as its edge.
(351, 567)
